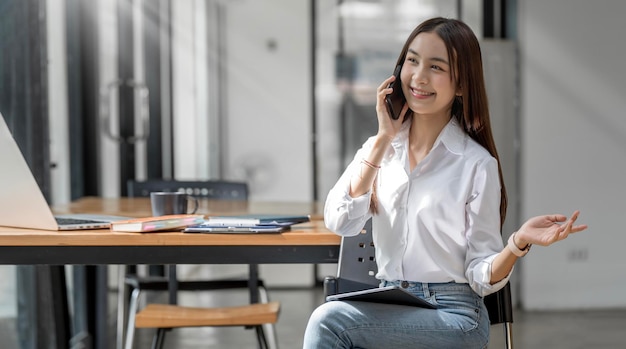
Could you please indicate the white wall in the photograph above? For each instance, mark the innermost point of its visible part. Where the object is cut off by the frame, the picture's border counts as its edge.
(8, 298)
(268, 119)
(190, 90)
(57, 103)
(108, 148)
(573, 84)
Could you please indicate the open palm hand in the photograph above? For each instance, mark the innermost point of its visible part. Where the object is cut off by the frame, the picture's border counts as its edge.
(548, 229)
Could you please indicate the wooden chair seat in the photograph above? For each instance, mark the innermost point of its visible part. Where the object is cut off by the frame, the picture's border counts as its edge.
(172, 316)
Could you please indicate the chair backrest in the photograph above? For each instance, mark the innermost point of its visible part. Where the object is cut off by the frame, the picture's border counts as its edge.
(357, 261)
(211, 189)
(357, 269)
(500, 305)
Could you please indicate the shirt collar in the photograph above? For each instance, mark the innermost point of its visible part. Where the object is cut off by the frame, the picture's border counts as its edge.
(452, 137)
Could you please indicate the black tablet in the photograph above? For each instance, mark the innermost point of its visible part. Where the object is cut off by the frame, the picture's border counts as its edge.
(387, 294)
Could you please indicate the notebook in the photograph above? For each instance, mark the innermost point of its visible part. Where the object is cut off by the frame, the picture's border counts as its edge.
(221, 229)
(22, 203)
(387, 295)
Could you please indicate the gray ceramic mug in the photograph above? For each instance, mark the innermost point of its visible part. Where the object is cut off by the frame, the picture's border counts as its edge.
(169, 203)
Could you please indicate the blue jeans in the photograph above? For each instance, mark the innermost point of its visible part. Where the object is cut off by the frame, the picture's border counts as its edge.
(460, 321)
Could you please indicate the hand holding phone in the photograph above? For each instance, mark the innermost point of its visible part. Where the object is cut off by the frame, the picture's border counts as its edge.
(395, 100)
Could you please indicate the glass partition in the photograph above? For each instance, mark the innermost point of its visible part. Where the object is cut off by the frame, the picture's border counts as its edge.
(358, 43)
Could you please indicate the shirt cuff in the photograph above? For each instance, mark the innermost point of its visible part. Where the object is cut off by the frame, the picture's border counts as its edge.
(483, 273)
(357, 207)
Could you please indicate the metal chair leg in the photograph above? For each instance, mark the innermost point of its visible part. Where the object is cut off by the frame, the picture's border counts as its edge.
(132, 311)
(508, 335)
(260, 335)
(122, 293)
(269, 329)
(158, 339)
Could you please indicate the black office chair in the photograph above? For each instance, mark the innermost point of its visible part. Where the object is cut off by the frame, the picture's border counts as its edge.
(130, 281)
(213, 189)
(357, 270)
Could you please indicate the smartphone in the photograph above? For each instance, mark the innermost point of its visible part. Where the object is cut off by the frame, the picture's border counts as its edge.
(395, 100)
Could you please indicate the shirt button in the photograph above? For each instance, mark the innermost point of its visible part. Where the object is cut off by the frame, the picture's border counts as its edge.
(404, 284)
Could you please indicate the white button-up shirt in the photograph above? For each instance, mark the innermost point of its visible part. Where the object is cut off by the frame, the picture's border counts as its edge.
(438, 223)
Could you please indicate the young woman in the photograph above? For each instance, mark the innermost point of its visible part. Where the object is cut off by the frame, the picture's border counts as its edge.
(432, 184)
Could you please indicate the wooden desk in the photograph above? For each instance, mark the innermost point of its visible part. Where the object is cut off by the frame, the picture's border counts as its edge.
(306, 243)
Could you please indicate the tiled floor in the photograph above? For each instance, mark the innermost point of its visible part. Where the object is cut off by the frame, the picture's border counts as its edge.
(596, 329)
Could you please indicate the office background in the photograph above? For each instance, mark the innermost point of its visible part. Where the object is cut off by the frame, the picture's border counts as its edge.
(244, 97)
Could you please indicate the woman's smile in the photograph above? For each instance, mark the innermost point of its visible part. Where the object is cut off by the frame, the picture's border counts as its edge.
(420, 94)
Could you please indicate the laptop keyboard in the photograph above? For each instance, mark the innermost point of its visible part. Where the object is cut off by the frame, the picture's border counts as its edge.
(66, 221)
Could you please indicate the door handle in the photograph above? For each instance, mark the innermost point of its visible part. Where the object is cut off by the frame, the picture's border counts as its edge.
(140, 98)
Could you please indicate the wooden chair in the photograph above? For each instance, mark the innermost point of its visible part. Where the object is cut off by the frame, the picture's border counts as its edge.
(166, 317)
(131, 282)
(357, 270)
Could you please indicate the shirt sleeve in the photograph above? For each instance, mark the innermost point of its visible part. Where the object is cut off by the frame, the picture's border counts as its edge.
(343, 214)
(483, 228)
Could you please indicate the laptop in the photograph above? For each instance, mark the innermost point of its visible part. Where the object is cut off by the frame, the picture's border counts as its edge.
(22, 204)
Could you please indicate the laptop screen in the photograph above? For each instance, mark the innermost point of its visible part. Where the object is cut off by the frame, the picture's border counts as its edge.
(22, 203)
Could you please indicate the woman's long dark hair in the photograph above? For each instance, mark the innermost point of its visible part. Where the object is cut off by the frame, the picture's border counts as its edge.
(471, 109)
